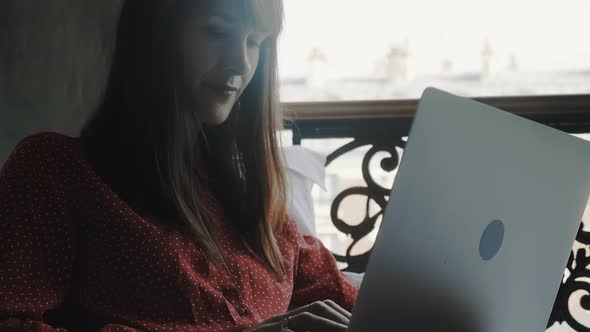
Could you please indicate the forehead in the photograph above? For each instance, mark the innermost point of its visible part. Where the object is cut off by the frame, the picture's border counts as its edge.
(231, 8)
(260, 15)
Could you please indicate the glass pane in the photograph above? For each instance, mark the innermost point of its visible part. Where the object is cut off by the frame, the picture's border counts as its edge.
(393, 49)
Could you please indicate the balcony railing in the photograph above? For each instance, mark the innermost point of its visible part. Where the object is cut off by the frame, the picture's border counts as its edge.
(380, 126)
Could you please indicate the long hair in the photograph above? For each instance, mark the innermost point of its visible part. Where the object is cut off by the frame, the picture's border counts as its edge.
(164, 162)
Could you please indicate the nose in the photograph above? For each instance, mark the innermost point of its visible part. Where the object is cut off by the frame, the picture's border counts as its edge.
(237, 61)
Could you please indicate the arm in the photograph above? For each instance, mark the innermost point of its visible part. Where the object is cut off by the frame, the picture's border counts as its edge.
(317, 277)
(36, 251)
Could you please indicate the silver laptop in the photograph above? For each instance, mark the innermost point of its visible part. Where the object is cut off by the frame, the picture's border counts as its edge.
(480, 223)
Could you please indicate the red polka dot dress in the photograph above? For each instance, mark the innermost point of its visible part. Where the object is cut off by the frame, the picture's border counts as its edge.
(75, 257)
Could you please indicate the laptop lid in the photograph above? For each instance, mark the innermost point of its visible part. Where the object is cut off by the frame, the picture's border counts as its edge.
(480, 223)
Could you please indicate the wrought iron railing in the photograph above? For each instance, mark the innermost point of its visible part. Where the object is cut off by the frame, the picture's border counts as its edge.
(381, 126)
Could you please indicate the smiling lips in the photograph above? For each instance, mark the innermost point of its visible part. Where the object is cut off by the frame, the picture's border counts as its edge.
(222, 89)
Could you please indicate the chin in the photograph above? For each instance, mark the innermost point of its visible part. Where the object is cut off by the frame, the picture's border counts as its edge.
(216, 117)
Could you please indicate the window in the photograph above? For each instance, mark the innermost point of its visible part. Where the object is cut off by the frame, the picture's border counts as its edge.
(392, 49)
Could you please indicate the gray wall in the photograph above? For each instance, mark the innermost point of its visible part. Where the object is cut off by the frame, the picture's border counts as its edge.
(53, 62)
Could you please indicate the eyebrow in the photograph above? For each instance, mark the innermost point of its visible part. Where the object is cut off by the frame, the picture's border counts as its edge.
(226, 16)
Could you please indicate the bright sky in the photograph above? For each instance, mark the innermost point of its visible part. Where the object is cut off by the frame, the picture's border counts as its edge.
(356, 34)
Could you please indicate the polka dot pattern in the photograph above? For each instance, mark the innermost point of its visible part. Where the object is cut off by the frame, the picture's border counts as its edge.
(74, 256)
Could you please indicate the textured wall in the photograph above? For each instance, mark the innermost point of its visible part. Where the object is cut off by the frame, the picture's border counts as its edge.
(53, 60)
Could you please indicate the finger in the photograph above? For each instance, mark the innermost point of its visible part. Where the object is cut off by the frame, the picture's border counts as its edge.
(280, 318)
(307, 321)
(325, 310)
(338, 308)
(289, 314)
(322, 309)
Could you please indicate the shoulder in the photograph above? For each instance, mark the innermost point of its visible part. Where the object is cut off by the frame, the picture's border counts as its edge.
(291, 234)
(46, 142)
(42, 152)
(289, 229)
(45, 146)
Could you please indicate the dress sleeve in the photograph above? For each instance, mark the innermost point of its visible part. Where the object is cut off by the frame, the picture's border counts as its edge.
(318, 278)
(36, 247)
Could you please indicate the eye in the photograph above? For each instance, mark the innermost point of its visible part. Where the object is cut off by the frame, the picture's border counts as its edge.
(217, 31)
(218, 27)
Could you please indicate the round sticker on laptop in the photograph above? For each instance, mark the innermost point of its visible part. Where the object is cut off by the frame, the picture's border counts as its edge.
(491, 240)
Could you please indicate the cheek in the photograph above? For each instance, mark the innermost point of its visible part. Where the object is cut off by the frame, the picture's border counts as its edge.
(197, 55)
(196, 59)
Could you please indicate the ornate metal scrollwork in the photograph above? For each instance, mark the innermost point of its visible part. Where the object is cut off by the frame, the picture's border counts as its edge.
(373, 191)
(573, 298)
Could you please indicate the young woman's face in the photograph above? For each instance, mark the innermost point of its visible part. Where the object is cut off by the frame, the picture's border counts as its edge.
(219, 53)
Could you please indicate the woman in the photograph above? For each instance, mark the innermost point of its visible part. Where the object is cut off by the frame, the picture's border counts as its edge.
(168, 213)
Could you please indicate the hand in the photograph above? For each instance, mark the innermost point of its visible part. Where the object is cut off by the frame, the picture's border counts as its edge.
(324, 316)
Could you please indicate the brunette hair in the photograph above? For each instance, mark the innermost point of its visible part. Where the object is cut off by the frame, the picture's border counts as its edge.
(164, 162)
